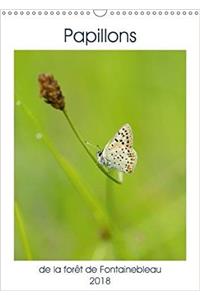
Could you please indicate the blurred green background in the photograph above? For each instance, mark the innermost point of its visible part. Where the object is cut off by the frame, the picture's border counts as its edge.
(103, 90)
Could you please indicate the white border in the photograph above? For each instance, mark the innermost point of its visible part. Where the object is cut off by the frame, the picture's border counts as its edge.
(138, 4)
(153, 32)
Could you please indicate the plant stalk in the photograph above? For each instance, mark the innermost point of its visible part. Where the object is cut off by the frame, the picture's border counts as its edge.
(98, 212)
(22, 231)
(85, 147)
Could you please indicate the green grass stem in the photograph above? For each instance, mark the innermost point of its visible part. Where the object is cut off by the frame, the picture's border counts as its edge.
(22, 231)
(87, 150)
(91, 201)
(100, 214)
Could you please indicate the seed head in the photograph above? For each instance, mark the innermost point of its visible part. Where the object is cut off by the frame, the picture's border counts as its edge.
(51, 91)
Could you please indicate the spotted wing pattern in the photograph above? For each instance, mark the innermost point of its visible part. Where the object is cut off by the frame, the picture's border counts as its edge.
(119, 151)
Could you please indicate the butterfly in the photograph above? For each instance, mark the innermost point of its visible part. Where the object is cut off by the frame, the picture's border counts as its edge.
(118, 152)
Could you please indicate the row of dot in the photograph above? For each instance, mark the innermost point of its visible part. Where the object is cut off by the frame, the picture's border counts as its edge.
(142, 12)
(46, 12)
(154, 12)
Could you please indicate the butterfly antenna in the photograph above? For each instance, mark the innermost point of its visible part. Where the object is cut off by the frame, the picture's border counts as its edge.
(94, 146)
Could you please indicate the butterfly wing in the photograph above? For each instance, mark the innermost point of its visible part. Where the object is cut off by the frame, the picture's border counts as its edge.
(122, 160)
(119, 152)
(123, 137)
